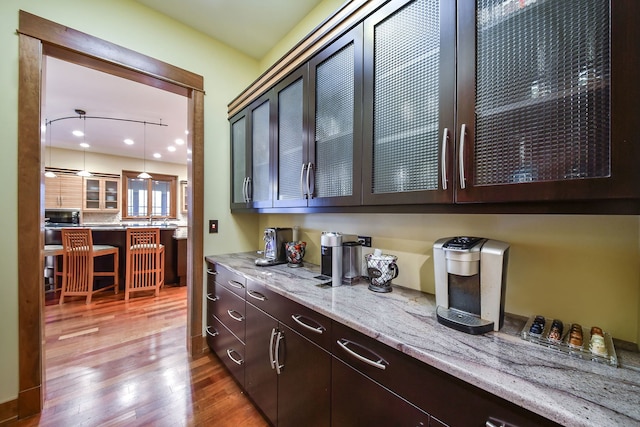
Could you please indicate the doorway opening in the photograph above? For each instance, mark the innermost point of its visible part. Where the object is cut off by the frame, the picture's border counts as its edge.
(39, 37)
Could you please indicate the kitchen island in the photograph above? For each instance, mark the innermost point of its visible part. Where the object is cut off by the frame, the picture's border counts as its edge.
(115, 235)
(566, 390)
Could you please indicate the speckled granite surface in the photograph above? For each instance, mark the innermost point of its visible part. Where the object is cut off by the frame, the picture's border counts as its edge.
(565, 389)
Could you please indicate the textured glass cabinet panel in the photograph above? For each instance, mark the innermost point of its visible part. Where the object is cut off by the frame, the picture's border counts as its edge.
(406, 99)
(260, 153)
(542, 91)
(238, 145)
(290, 140)
(334, 124)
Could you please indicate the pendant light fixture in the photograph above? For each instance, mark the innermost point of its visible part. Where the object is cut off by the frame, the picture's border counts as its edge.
(84, 172)
(49, 174)
(144, 174)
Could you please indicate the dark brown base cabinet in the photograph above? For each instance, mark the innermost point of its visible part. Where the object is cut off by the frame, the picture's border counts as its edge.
(357, 400)
(302, 369)
(296, 393)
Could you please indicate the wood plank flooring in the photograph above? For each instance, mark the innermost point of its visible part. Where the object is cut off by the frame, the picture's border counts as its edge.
(117, 363)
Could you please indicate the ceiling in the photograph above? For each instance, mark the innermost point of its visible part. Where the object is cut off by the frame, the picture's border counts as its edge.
(239, 23)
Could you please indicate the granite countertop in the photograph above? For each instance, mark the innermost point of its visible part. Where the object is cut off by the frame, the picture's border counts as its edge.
(118, 227)
(565, 389)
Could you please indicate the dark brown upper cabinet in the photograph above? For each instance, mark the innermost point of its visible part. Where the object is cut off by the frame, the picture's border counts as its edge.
(545, 101)
(409, 93)
(318, 128)
(251, 169)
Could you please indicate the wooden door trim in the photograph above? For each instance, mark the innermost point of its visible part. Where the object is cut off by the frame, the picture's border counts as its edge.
(37, 35)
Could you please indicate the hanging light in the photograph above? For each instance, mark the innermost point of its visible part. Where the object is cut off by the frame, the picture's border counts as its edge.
(144, 174)
(49, 174)
(84, 172)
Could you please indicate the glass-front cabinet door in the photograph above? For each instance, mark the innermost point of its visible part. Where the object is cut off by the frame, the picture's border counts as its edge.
(335, 108)
(409, 81)
(291, 139)
(250, 152)
(101, 194)
(536, 102)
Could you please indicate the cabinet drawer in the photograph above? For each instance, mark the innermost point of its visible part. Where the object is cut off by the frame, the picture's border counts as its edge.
(432, 390)
(228, 308)
(307, 322)
(227, 347)
(263, 298)
(225, 277)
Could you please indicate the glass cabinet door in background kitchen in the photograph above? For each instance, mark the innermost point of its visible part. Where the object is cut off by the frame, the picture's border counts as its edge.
(409, 81)
(538, 115)
(101, 194)
(250, 152)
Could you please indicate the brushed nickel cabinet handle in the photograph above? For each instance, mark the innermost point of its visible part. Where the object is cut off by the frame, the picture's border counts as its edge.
(212, 272)
(318, 329)
(235, 284)
(238, 318)
(215, 333)
(463, 131)
(256, 295)
(271, 342)
(443, 161)
(302, 195)
(380, 363)
(276, 354)
(234, 360)
(213, 298)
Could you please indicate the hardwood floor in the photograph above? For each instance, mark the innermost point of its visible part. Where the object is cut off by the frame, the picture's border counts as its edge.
(117, 363)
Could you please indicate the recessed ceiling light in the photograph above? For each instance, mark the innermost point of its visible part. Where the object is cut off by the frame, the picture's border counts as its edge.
(77, 133)
(186, 132)
(171, 148)
(128, 141)
(157, 155)
(179, 141)
(84, 145)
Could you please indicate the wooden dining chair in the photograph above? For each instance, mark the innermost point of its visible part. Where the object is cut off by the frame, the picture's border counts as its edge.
(145, 261)
(78, 272)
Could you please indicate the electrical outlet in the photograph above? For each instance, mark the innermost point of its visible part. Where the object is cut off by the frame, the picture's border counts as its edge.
(365, 241)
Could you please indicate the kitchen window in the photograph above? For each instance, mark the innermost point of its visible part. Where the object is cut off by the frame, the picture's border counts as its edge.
(149, 198)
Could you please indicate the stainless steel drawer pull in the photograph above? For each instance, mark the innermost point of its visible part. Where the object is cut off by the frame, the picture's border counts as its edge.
(212, 272)
(380, 363)
(215, 333)
(212, 298)
(318, 329)
(235, 284)
(239, 317)
(233, 359)
(256, 295)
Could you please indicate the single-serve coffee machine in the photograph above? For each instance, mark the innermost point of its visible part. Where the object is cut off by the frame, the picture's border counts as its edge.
(340, 259)
(470, 278)
(274, 246)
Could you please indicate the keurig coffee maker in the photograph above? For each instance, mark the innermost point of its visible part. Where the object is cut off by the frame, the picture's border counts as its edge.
(470, 279)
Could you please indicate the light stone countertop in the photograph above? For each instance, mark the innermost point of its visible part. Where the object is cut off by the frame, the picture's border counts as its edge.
(565, 389)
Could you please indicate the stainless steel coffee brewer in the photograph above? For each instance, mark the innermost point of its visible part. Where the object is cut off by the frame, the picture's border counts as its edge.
(340, 260)
(274, 246)
(470, 278)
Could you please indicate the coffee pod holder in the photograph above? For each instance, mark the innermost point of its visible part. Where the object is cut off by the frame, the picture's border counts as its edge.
(382, 269)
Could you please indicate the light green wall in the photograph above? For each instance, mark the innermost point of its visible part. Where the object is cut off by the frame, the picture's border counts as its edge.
(583, 269)
(226, 73)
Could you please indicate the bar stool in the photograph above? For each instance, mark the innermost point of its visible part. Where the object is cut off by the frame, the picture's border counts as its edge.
(145, 261)
(78, 274)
